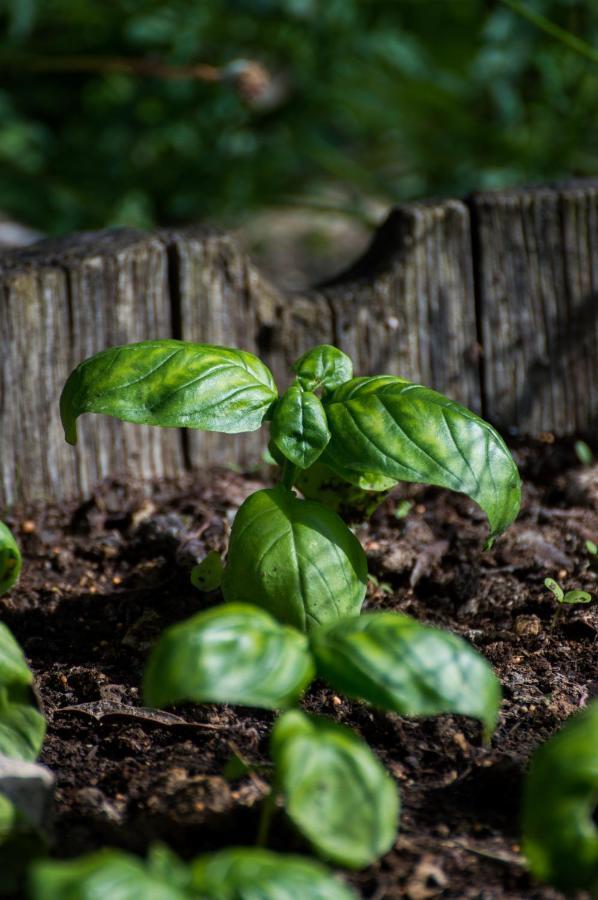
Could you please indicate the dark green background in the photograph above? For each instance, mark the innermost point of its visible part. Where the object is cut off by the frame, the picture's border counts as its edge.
(384, 100)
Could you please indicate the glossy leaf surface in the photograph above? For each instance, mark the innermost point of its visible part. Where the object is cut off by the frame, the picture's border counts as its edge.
(229, 654)
(299, 427)
(388, 428)
(252, 874)
(10, 559)
(560, 835)
(395, 663)
(296, 559)
(106, 875)
(207, 575)
(22, 728)
(336, 791)
(323, 366)
(173, 384)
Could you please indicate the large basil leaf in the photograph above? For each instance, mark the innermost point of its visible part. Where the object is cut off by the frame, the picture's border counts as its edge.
(10, 559)
(105, 875)
(560, 831)
(395, 663)
(171, 383)
(254, 874)
(230, 654)
(299, 428)
(296, 559)
(22, 728)
(387, 427)
(336, 791)
(324, 366)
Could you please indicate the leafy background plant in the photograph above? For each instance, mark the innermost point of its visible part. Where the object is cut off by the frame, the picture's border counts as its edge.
(368, 93)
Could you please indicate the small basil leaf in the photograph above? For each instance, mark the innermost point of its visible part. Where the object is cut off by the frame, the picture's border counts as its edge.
(22, 728)
(299, 428)
(13, 667)
(555, 587)
(577, 597)
(105, 875)
(336, 791)
(173, 384)
(253, 874)
(230, 654)
(327, 487)
(296, 559)
(324, 366)
(10, 559)
(560, 835)
(395, 663)
(207, 575)
(388, 427)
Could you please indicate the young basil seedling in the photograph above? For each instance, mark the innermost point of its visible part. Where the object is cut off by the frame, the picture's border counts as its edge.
(10, 559)
(295, 557)
(560, 830)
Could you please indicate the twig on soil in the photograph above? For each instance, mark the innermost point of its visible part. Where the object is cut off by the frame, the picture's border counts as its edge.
(103, 709)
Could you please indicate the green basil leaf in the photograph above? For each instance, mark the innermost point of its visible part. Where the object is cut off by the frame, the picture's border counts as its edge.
(173, 384)
(388, 427)
(299, 428)
(323, 366)
(560, 833)
(577, 597)
(327, 487)
(10, 559)
(395, 663)
(336, 791)
(105, 875)
(296, 559)
(13, 666)
(254, 874)
(22, 727)
(207, 575)
(556, 589)
(230, 654)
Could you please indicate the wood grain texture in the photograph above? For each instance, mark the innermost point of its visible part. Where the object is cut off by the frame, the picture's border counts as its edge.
(493, 302)
(536, 258)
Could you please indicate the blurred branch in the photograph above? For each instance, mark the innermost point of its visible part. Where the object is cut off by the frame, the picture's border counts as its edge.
(553, 30)
(106, 65)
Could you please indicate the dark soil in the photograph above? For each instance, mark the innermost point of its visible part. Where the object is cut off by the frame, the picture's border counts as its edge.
(102, 580)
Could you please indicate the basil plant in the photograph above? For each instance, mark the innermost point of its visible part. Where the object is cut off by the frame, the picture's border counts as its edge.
(10, 559)
(296, 557)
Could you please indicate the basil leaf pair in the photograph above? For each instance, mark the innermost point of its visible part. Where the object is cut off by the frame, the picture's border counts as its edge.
(560, 831)
(22, 728)
(239, 654)
(236, 874)
(10, 559)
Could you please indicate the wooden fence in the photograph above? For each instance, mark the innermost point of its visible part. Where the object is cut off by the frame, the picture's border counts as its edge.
(493, 301)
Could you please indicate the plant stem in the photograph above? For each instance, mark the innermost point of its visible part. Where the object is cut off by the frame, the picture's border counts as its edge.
(268, 807)
(553, 30)
(289, 471)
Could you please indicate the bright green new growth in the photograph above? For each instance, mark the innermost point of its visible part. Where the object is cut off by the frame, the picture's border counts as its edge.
(560, 834)
(10, 559)
(295, 558)
(336, 791)
(229, 654)
(207, 575)
(575, 596)
(22, 728)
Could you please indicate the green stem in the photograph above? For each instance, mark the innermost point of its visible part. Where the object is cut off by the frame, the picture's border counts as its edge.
(553, 30)
(289, 472)
(268, 807)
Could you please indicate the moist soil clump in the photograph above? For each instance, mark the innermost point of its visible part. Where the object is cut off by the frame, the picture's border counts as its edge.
(103, 578)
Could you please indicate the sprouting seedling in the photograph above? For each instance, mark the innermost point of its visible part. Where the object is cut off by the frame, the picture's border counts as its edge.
(297, 557)
(569, 597)
(583, 453)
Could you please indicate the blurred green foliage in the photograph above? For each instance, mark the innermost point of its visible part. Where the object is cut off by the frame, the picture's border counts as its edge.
(384, 99)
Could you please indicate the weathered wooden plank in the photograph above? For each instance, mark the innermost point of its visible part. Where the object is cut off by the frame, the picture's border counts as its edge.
(537, 293)
(408, 308)
(64, 300)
